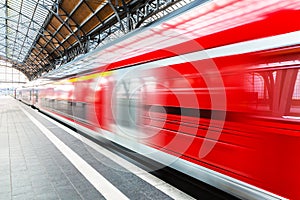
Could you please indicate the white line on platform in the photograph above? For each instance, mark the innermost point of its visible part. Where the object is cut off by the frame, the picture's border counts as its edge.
(149, 178)
(97, 180)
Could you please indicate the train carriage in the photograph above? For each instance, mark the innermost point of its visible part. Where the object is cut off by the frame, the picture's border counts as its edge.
(213, 91)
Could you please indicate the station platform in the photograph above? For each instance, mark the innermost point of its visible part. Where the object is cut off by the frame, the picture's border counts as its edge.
(41, 159)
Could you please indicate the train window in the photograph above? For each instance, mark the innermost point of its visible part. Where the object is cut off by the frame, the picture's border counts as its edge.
(122, 89)
(259, 88)
(275, 93)
(295, 105)
(79, 110)
(128, 94)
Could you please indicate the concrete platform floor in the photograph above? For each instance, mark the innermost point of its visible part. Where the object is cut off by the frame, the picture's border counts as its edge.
(41, 160)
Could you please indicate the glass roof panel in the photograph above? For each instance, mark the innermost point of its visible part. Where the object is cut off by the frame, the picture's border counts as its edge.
(20, 22)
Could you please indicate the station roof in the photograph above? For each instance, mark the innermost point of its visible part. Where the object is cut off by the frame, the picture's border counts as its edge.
(38, 35)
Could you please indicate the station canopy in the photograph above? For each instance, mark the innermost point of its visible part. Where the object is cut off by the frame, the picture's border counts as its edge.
(37, 36)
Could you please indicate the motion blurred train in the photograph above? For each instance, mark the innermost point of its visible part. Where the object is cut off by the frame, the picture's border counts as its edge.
(212, 91)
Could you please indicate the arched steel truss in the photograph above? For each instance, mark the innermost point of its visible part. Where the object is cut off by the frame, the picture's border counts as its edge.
(36, 36)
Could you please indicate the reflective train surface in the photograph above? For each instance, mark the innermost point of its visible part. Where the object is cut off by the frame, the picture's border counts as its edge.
(212, 91)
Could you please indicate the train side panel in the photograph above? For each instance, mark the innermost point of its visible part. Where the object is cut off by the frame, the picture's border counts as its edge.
(221, 95)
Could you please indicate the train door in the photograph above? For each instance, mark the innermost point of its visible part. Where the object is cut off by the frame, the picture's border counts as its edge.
(30, 94)
(34, 97)
(127, 103)
(274, 122)
(103, 98)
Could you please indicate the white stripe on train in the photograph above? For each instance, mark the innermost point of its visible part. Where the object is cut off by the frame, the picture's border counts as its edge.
(278, 41)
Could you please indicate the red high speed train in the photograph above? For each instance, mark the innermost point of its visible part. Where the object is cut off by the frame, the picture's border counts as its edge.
(213, 91)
